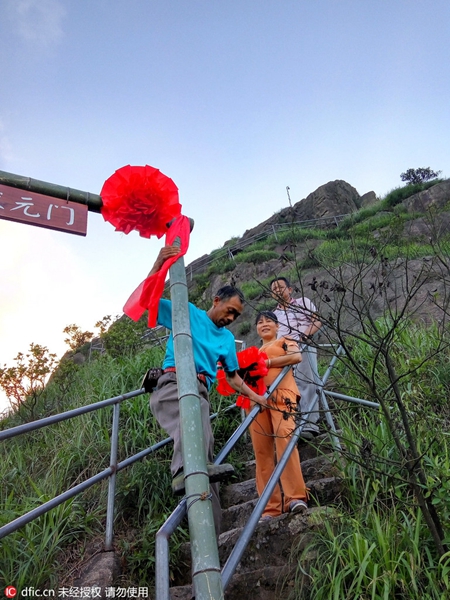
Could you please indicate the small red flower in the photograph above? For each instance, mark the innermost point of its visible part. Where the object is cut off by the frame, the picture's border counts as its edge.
(141, 199)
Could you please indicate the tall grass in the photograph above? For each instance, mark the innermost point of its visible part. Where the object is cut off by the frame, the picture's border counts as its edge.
(42, 464)
(376, 545)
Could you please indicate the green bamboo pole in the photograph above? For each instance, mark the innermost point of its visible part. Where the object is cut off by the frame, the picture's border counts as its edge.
(93, 201)
(206, 575)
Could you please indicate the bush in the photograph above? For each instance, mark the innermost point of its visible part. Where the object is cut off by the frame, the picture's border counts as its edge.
(252, 290)
(221, 266)
(256, 256)
(244, 328)
(296, 234)
(399, 194)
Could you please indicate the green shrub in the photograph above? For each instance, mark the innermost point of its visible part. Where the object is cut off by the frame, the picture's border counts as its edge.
(252, 290)
(256, 256)
(296, 234)
(397, 195)
(267, 304)
(221, 266)
(244, 328)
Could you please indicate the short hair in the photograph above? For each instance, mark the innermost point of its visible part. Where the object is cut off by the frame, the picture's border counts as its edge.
(229, 291)
(286, 281)
(268, 314)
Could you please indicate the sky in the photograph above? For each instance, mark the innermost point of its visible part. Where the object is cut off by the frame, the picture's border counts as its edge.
(234, 100)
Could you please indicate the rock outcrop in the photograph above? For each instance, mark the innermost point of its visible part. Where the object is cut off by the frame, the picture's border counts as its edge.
(330, 200)
(437, 196)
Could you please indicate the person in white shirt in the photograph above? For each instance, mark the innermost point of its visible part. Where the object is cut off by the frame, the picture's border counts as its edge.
(298, 321)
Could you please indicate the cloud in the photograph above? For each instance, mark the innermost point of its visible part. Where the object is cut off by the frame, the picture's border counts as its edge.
(38, 21)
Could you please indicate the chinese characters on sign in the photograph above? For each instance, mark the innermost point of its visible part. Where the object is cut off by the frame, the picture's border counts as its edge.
(43, 211)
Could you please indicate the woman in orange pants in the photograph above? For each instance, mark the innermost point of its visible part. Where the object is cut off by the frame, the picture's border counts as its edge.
(273, 426)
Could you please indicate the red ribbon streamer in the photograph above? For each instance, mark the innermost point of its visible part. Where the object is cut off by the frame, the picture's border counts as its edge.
(148, 294)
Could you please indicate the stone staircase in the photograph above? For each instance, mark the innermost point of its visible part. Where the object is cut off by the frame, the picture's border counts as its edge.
(267, 570)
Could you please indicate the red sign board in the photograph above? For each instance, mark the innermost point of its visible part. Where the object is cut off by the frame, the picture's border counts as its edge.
(43, 211)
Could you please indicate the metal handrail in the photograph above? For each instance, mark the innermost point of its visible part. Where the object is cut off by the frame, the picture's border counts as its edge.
(114, 467)
(168, 528)
(109, 472)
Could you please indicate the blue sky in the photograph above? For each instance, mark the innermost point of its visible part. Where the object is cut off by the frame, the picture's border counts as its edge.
(232, 100)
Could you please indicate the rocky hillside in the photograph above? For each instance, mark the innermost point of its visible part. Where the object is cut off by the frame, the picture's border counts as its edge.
(293, 241)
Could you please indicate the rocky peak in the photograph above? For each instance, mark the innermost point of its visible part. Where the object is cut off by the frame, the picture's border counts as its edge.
(329, 200)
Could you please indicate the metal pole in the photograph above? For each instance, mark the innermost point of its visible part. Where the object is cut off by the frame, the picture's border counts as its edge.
(162, 546)
(206, 574)
(162, 575)
(93, 201)
(322, 399)
(239, 549)
(352, 399)
(112, 479)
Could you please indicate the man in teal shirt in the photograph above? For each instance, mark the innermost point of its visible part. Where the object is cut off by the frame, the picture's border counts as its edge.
(211, 343)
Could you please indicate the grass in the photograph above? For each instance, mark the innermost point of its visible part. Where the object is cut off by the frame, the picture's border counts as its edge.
(40, 465)
(399, 194)
(376, 544)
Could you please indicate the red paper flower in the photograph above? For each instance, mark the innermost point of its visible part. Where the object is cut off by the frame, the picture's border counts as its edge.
(252, 369)
(223, 387)
(141, 199)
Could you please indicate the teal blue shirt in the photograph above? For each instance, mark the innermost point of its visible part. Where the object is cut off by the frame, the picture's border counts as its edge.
(210, 343)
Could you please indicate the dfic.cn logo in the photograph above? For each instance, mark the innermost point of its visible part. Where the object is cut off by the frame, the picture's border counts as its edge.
(10, 591)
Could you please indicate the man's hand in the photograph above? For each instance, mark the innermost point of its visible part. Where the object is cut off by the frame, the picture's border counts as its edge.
(164, 254)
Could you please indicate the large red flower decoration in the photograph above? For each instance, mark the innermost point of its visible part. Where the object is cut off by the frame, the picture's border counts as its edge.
(252, 369)
(141, 199)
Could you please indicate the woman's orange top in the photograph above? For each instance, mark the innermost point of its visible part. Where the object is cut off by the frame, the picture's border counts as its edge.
(280, 347)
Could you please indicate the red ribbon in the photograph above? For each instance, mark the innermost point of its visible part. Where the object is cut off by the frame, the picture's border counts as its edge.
(148, 294)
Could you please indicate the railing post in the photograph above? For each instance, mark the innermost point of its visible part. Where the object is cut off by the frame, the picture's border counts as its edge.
(112, 478)
(206, 575)
(322, 398)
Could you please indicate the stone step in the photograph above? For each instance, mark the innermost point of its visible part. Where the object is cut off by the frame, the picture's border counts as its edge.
(319, 467)
(267, 583)
(322, 491)
(272, 541)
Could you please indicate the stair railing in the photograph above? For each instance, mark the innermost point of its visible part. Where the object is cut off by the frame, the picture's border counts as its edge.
(173, 521)
(170, 525)
(249, 528)
(109, 472)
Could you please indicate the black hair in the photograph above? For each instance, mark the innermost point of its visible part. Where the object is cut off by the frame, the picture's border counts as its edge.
(286, 281)
(268, 314)
(229, 291)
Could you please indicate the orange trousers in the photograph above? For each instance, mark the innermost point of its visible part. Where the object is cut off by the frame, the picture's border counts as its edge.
(270, 433)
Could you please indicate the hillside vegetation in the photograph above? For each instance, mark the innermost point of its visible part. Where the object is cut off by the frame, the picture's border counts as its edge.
(380, 282)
